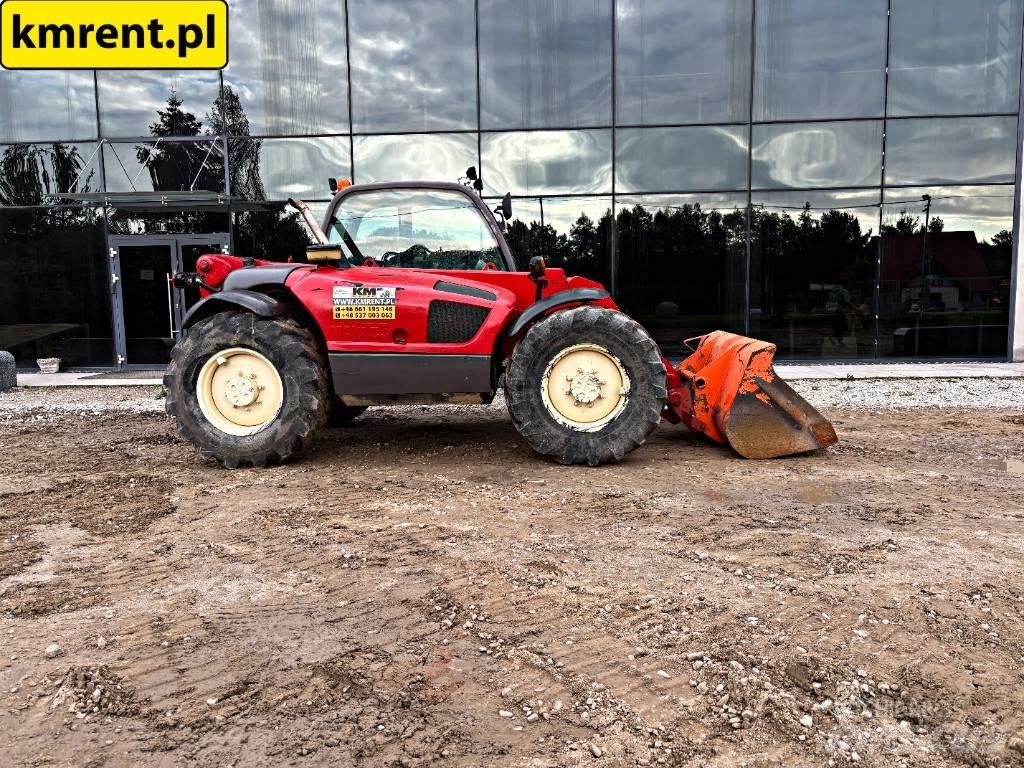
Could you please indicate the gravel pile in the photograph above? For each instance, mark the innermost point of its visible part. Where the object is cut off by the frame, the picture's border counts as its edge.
(913, 393)
(51, 402)
(88, 691)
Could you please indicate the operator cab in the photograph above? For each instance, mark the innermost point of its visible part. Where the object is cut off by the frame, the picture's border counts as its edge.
(422, 225)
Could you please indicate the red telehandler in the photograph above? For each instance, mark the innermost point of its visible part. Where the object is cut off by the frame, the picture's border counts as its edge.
(410, 294)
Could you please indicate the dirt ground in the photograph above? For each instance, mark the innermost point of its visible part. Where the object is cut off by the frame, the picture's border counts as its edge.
(422, 590)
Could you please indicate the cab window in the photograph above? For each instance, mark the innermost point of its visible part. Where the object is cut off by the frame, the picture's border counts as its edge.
(419, 228)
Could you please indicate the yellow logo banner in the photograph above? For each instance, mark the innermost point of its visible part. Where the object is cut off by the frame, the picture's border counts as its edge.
(113, 34)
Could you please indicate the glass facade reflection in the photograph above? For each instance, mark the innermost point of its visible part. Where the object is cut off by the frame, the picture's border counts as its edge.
(820, 59)
(944, 278)
(712, 157)
(836, 176)
(951, 57)
(54, 298)
(682, 62)
(682, 264)
(812, 271)
(811, 155)
(547, 162)
(288, 66)
(952, 150)
(413, 65)
(413, 156)
(545, 63)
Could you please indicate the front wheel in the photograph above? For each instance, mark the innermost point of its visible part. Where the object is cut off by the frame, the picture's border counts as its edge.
(246, 390)
(586, 386)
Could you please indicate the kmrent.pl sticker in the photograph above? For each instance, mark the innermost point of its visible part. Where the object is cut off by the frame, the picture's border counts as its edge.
(113, 34)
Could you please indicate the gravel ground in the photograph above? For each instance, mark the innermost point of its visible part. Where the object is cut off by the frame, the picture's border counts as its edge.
(888, 394)
(873, 394)
(422, 590)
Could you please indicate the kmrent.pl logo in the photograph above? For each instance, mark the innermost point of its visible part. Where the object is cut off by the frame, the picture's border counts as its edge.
(113, 34)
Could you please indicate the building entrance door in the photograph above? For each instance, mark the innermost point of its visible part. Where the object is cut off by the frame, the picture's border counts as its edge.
(148, 310)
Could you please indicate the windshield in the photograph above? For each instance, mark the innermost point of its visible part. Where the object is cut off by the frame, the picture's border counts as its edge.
(421, 228)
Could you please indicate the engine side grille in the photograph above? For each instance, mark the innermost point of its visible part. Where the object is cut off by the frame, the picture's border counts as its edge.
(449, 322)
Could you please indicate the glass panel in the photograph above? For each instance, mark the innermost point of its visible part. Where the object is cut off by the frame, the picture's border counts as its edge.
(545, 63)
(548, 162)
(820, 59)
(572, 233)
(682, 61)
(954, 150)
(278, 234)
(165, 166)
(812, 272)
(951, 56)
(47, 106)
(31, 173)
(427, 229)
(276, 169)
(962, 244)
(145, 296)
(413, 65)
(414, 157)
(125, 222)
(818, 154)
(659, 159)
(157, 102)
(54, 297)
(682, 264)
(287, 66)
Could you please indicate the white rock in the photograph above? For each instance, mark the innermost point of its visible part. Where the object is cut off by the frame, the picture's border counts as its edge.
(806, 721)
(53, 651)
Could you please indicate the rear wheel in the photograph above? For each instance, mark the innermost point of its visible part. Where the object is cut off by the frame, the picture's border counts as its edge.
(246, 390)
(586, 386)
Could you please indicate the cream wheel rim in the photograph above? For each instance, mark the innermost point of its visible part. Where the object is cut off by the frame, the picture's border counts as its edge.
(585, 387)
(239, 391)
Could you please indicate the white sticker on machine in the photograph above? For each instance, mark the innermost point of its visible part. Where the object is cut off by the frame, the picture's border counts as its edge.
(364, 302)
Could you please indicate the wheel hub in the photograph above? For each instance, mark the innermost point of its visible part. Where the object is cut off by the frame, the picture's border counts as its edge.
(584, 387)
(239, 391)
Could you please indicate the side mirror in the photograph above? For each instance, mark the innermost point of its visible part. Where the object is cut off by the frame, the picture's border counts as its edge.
(478, 185)
(471, 173)
(537, 267)
(506, 206)
(332, 184)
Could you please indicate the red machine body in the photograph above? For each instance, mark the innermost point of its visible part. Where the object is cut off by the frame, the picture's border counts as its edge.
(727, 389)
(393, 330)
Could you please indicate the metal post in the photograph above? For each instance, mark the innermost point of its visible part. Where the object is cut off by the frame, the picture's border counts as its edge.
(1016, 330)
(925, 266)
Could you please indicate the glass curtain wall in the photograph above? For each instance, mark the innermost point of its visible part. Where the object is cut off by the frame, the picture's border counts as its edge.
(836, 176)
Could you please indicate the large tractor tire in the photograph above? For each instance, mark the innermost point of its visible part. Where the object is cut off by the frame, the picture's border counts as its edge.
(246, 390)
(586, 386)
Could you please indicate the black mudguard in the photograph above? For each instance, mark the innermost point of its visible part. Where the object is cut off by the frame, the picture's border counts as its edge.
(571, 296)
(257, 303)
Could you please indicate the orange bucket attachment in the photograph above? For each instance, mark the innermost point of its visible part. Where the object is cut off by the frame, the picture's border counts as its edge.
(728, 390)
